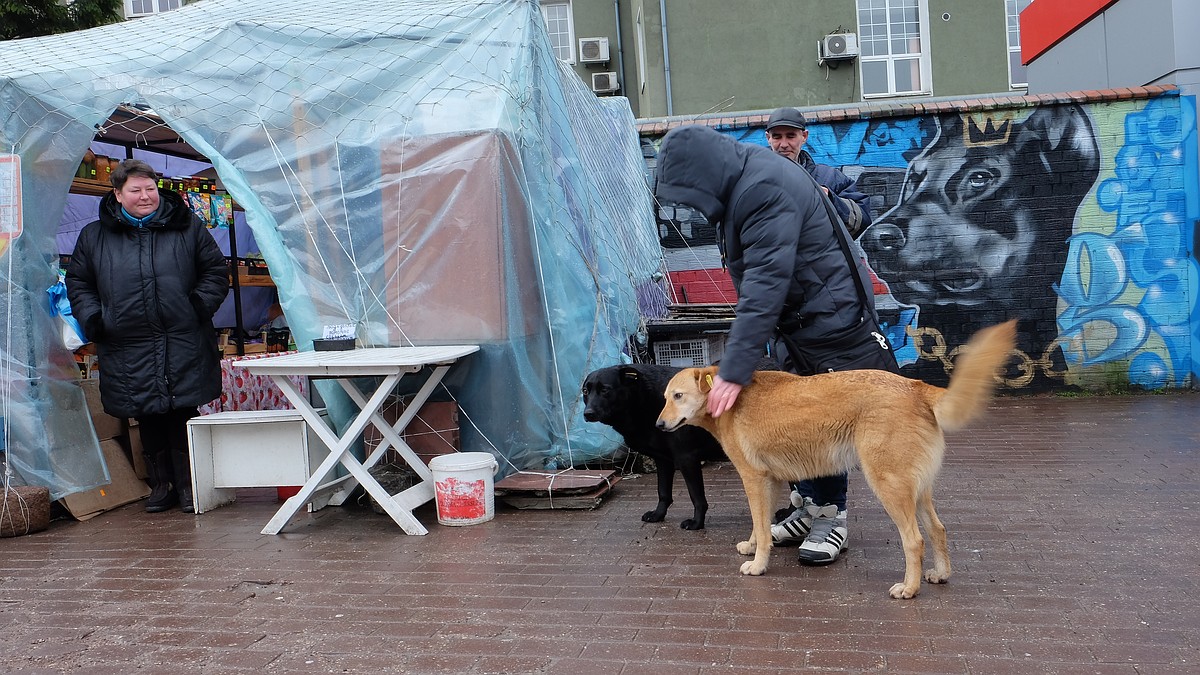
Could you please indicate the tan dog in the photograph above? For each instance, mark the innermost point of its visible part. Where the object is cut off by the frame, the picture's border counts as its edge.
(786, 427)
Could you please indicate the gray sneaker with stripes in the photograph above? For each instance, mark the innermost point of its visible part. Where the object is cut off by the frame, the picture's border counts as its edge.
(826, 537)
(792, 530)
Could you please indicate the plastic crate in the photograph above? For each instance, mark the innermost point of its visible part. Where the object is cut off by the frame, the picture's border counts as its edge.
(689, 353)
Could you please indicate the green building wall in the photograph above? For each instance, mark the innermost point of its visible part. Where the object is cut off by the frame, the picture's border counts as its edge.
(752, 55)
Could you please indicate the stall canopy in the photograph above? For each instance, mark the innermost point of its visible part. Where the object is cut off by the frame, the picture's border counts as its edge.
(426, 171)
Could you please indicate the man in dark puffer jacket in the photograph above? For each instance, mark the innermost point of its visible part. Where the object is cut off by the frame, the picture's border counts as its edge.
(787, 134)
(794, 278)
(144, 282)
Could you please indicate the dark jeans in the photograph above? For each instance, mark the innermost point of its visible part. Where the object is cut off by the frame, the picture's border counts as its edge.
(863, 351)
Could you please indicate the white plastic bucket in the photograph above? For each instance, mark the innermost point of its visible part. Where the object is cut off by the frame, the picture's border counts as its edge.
(464, 487)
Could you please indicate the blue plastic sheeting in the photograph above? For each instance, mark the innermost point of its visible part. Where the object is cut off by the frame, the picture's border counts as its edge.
(426, 171)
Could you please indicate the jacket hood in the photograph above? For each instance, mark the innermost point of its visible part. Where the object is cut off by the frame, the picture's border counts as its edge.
(699, 167)
(173, 212)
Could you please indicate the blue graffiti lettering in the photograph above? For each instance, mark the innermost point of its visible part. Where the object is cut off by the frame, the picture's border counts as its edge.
(1135, 288)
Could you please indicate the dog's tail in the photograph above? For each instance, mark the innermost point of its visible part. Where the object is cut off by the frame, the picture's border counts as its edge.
(974, 375)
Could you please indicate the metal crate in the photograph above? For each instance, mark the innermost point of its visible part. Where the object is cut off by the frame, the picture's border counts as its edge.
(688, 353)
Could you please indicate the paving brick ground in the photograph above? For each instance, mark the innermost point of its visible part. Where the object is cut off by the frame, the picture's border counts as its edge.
(1073, 522)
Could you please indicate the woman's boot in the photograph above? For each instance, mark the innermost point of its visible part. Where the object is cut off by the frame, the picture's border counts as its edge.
(183, 479)
(162, 491)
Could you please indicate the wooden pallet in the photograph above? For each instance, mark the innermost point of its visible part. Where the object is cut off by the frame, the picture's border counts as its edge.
(568, 489)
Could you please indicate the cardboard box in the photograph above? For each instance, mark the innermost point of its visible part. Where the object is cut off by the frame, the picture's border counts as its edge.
(133, 449)
(434, 431)
(125, 487)
(107, 426)
(473, 181)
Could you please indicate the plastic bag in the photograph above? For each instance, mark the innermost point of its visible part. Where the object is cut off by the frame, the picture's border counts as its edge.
(72, 332)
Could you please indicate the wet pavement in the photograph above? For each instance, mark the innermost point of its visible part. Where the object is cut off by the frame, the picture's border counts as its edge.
(1074, 526)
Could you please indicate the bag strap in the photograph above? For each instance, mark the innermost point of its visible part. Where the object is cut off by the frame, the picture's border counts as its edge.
(839, 229)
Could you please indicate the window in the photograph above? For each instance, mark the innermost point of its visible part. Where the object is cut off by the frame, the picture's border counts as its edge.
(894, 55)
(145, 7)
(1016, 71)
(561, 29)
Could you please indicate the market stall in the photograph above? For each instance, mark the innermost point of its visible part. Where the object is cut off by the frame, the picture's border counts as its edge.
(387, 157)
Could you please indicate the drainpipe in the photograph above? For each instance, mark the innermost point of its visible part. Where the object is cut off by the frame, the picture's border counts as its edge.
(662, 10)
(620, 54)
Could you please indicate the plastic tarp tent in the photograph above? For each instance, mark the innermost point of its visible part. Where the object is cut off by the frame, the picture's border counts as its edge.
(426, 171)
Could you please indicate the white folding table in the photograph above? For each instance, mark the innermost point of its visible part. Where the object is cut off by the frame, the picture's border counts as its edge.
(389, 363)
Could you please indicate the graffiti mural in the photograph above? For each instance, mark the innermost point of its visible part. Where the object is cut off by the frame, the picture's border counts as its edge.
(1076, 219)
(980, 233)
(1130, 286)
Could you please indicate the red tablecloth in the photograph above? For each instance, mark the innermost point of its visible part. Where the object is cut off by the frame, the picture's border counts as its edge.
(242, 391)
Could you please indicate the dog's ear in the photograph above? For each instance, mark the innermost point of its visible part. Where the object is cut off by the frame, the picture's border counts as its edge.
(704, 378)
(1066, 137)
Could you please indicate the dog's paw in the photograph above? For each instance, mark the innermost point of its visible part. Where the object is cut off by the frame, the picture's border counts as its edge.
(753, 568)
(691, 524)
(936, 576)
(745, 548)
(902, 592)
(655, 516)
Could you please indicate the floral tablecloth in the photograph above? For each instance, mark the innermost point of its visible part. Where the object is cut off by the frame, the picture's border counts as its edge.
(242, 391)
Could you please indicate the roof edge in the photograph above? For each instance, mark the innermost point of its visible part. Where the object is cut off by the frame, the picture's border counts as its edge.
(859, 111)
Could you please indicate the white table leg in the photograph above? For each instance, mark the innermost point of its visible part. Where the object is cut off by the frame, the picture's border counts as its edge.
(422, 492)
(403, 517)
(399, 507)
(392, 437)
(339, 448)
(297, 501)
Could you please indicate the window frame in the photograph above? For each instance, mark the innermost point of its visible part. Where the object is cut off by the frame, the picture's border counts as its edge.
(127, 7)
(1012, 26)
(924, 68)
(570, 19)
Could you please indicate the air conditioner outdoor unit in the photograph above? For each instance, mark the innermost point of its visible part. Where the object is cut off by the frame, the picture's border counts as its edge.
(593, 50)
(839, 46)
(605, 83)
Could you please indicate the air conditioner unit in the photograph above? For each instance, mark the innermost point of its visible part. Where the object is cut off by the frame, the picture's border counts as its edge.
(605, 83)
(839, 46)
(593, 50)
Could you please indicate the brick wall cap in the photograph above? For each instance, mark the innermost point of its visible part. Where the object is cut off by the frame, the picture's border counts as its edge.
(655, 126)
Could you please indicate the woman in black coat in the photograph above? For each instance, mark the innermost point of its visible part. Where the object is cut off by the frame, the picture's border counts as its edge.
(144, 282)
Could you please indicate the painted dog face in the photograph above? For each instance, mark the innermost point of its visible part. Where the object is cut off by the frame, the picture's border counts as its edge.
(986, 210)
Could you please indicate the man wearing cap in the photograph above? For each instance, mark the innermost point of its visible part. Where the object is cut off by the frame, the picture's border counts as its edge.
(787, 132)
(815, 518)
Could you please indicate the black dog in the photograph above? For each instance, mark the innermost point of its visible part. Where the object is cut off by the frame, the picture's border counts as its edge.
(629, 399)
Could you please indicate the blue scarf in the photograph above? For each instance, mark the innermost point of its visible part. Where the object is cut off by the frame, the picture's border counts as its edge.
(137, 222)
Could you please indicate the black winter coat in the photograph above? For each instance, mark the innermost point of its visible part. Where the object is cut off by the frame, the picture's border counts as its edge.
(776, 237)
(146, 296)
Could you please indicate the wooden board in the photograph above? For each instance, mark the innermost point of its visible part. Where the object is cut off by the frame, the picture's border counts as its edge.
(569, 489)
